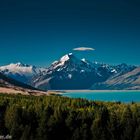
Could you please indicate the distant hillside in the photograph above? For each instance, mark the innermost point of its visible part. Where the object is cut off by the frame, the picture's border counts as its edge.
(130, 81)
(11, 86)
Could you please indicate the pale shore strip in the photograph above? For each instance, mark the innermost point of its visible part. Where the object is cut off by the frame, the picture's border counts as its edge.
(56, 92)
(16, 91)
(83, 91)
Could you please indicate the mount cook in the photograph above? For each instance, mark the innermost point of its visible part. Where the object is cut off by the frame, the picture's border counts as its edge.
(72, 73)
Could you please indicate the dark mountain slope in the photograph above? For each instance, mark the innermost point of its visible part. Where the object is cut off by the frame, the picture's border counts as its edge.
(8, 82)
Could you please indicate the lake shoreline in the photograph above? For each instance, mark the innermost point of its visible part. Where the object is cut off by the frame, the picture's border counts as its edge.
(60, 92)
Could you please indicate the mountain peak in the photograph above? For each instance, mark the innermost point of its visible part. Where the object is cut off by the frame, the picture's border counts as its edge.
(68, 60)
(83, 59)
(18, 64)
(66, 57)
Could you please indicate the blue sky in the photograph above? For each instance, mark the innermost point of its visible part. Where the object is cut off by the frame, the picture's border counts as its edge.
(39, 32)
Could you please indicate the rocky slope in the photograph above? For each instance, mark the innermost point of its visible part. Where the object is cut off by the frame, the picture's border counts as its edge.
(129, 80)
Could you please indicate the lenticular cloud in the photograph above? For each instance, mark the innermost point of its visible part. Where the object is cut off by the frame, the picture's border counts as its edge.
(83, 49)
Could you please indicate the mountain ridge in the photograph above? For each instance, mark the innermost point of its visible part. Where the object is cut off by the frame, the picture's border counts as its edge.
(69, 72)
(21, 72)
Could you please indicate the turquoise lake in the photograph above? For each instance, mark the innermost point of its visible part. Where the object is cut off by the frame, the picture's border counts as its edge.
(113, 96)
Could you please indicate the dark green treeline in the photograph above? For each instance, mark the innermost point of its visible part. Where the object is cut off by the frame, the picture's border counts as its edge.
(60, 118)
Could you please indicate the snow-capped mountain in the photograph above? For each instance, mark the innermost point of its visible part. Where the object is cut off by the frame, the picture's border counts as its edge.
(21, 72)
(72, 73)
(67, 73)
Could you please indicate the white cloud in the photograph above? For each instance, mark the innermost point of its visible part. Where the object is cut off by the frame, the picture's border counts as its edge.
(83, 49)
